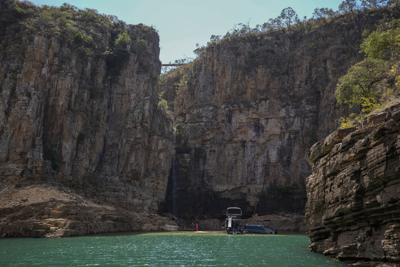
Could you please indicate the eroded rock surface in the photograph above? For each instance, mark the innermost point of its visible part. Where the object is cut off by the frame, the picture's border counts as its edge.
(49, 211)
(353, 206)
(79, 113)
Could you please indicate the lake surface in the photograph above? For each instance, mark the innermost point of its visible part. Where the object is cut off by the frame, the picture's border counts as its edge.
(163, 249)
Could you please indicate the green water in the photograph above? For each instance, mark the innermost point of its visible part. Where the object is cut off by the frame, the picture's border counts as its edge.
(163, 250)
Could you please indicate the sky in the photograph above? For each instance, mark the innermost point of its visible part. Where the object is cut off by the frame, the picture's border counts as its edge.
(182, 24)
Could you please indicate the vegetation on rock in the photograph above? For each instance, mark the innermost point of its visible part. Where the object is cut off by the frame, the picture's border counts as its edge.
(374, 81)
(80, 129)
(250, 105)
(289, 20)
(123, 40)
(353, 203)
(83, 30)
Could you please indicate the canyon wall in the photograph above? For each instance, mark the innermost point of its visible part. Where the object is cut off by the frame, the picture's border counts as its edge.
(84, 147)
(353, 193)
(247, 111)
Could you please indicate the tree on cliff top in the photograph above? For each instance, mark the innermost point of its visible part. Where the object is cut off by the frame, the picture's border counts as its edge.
(323, 13)
(371, 4)
(358, 87)
(374, 81)
(123, 40)
(285, 20)
(289, 17)
(288, 20)
(383, 45)
(348, 6)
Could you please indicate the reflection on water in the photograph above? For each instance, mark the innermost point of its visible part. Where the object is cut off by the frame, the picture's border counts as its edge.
(179, 249)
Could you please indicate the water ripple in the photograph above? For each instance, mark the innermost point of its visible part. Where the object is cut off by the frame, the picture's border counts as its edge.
(163, 250)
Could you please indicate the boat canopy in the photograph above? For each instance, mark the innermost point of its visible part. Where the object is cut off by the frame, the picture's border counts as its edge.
(233, 211)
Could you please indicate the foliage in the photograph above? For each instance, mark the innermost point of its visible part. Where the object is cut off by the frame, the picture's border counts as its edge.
(185, 60)
(346, 123)
(375, 81)
(357, 87)
(289, 17)
(348, 6)
(372, 4)
(323, 13)
(162, 102)
(369, 104)
(288, 20)
(81, 37)
(199, 49)
(382, 45)
(24, 7)
(123, 40)
(80, 29)
(214, 38)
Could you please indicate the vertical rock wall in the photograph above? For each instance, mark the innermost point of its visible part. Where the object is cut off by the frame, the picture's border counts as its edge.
(79, 107)
(247, 111)
(353, 192)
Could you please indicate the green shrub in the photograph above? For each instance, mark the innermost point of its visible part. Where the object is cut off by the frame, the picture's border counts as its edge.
(163, 104)
(346, 123)
(123, 40)
(24, 7)
(358, 88)
(382, 45)
(372, 83)
(82, 38)
(369, 104)
(68, 7)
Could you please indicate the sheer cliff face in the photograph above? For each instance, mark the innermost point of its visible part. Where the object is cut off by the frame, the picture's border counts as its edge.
(78, 107)
(247, 111)
(353, 193)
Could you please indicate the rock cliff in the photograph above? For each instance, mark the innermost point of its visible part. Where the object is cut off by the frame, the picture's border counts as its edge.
(353, 193)
(247, 111)
(84, 147)
(87, 147)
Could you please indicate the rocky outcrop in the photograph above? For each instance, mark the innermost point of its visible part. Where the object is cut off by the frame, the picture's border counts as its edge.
(79, 117)
(247, 111)
(49, 211)
(353, 206)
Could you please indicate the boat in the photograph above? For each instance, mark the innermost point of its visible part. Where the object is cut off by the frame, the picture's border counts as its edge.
(233, 220)
(234, 224)
(258, 229)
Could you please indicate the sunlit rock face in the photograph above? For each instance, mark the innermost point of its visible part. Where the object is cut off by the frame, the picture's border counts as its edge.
(247, 111)
(353, 205)
(79, 111)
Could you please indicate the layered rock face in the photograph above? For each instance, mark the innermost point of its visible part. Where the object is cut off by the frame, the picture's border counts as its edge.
(79, 117)
(354, 192)
(247, 111)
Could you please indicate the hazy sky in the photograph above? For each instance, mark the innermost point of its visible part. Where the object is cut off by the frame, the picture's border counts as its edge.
(183, 23)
